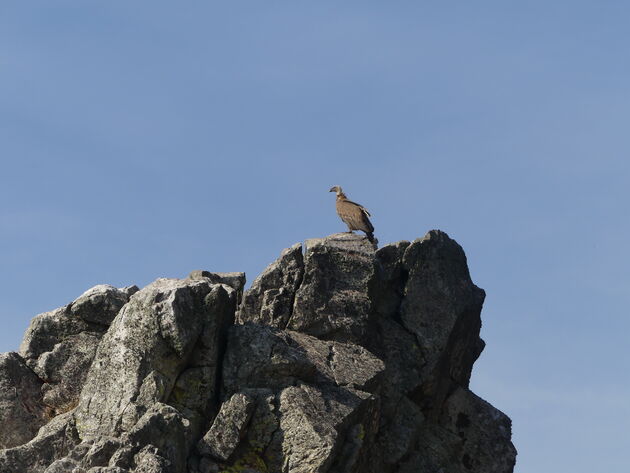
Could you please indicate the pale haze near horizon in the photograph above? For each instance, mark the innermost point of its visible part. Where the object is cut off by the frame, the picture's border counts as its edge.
(139, 140)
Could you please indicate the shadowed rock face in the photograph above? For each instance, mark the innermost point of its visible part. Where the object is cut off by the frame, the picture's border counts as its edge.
(21, 408)
(270, 299)
(342, 359)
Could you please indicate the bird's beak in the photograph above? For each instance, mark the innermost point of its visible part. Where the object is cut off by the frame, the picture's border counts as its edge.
(332, 189)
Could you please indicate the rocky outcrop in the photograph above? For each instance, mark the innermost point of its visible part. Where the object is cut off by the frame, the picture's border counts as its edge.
(414, 306)
(59, 346)
(339, 359)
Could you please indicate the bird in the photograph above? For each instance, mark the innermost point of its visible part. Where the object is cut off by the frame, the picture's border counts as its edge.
(354, 215)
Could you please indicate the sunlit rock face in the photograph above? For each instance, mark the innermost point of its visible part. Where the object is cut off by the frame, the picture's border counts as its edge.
(339, 358)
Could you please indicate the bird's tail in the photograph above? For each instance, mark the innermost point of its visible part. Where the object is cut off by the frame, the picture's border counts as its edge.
(370, 236)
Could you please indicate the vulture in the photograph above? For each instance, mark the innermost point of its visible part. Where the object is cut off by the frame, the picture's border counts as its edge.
(354, 215)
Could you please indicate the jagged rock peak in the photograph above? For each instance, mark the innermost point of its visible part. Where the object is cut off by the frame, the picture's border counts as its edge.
(339, 358)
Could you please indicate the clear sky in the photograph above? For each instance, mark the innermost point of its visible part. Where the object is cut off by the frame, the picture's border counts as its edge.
(146, 139)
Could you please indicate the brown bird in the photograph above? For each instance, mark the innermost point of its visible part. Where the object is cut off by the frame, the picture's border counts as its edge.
(354, 215)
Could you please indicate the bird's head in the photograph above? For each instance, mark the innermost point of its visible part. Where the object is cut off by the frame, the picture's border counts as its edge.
(336, 189)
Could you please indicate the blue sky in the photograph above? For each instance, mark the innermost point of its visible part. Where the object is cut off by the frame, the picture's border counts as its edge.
(142, 139)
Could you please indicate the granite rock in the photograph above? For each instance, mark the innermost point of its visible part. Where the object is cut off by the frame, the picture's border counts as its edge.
(270, 299)
(344, 359)
(22, 412)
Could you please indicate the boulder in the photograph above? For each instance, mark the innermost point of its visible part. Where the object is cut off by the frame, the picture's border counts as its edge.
(270, 299)
(60, 345)
(441, 308)
(148, 460)
(168, 433)
(264, 357)
(93, 311)
(315, 426)
(64, 368)
(314, 400)
(235, 280)
(22, 412)
(333, 301)
(228, 428)
(54, 441)
(470, 437)
(143, 353)
(101, 303)
(99, 452)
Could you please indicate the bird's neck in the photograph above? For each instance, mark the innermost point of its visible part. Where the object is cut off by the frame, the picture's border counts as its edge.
(341, 196)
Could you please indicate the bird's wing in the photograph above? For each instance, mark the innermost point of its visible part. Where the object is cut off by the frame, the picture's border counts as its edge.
(363, 209)
(355, 215)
